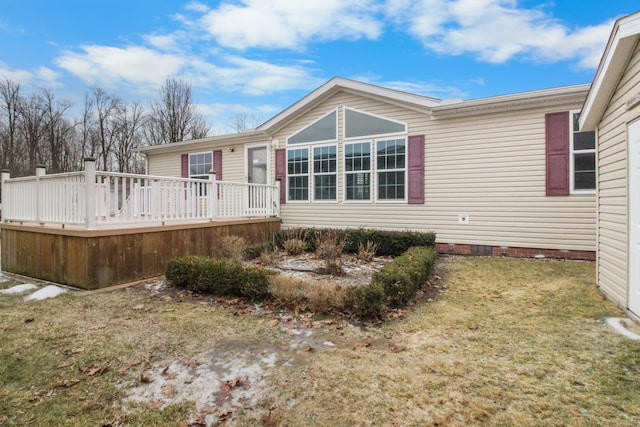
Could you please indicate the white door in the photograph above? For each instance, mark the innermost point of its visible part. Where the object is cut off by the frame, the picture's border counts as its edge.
(257, 172)
(634, 217)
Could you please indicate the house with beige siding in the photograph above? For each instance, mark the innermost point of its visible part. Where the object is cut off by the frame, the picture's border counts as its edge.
(612, 109)
(505, 175)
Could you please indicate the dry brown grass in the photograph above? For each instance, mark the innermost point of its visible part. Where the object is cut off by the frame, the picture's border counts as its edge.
(367, 251)
(299, 295)
(230, 247)
(507, 342)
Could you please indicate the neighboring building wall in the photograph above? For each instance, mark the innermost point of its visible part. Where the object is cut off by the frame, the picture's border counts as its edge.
(489, 166)
(612, 203)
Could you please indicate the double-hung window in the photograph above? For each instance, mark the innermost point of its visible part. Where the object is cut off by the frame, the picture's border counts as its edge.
(583, 158)
(391, 166)
(298, 174)
(357, 167)
(325, 174)
(200, 164)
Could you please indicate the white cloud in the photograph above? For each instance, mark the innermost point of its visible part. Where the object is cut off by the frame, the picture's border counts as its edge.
(497, 30)
(290, 24)
(109, 66)
(40, 77)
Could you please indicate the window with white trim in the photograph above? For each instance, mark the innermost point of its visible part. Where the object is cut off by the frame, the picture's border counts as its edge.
(391, 166)
(357, 171)
(583, 158)
(298, 174)
(200, 164)
(325, 173)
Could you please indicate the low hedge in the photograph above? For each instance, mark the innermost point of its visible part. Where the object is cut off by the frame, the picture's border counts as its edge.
(395, 284)
(390, 243)
(221, 277)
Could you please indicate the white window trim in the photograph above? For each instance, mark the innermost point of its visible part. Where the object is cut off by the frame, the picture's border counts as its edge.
(572, 153)
(246, 157)
(288, 175)
(312, 174)
(195, 154)
(406, 171)
(311, 124)
(375, 135)
(371, 198)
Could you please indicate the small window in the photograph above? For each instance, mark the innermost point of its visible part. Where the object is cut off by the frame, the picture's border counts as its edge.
(359, 124)
(583, 158)
(357, 167)
(391, 166)
(200, 164)
(325, 173)
(324, 129)
(298, 174)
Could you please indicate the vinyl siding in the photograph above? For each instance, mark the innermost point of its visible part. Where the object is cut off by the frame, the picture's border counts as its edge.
(168, 164)
(490, 166)
(612, 203)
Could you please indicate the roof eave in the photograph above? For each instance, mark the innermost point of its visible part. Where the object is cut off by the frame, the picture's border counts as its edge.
(218, 140)
(620, 46)
(517, 101)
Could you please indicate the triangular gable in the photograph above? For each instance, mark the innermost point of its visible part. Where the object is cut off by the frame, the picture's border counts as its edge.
(424, 103)
(622, 42)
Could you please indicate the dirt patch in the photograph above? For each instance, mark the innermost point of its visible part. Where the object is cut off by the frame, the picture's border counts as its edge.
(309, 267)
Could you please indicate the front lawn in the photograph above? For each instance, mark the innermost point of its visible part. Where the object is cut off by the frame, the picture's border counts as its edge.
(505, 342)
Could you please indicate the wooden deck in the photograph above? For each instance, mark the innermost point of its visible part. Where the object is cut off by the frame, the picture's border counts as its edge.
(112, 255)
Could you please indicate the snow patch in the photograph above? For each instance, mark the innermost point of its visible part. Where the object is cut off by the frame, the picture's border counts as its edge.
(217, 382)
(46, 292)
(18, 289)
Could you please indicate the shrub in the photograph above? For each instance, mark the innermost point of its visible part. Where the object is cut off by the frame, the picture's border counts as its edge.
(230, 247)
(294, 241)
(255, 250)
(181, 272)
(329, 247)
(401, 278)
(365, 301)
(367, 251)
(218, 277)
(390, 243)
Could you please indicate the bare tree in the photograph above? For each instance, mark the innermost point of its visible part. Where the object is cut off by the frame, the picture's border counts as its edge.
(57, 128)
(129, 136)
(174, 116)
(10, 102)
(32, 127)
(107, 109)
(244, 121)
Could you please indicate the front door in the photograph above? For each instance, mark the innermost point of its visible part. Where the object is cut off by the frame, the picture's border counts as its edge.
(634, 217)
(257, 165)
(257, 169)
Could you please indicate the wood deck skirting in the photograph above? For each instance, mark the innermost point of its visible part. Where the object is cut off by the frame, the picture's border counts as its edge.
(94, 259)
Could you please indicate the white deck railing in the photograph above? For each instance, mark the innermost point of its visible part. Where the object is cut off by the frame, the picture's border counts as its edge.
(93, 198)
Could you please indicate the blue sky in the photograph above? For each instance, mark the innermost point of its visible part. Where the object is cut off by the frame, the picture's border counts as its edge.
(260, 56)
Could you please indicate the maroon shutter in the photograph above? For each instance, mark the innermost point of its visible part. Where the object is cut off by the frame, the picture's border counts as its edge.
(416, 169)
(217, 164)
(185, 165)
(281, 173)
(557, 150)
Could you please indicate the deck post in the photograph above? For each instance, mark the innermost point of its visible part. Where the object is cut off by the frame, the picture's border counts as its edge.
(213, 195)
(90, 192)
(40, 171)
(276, 198)
(6, 175)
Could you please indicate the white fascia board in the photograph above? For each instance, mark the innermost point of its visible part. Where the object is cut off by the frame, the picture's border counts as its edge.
(218, 140)
(522, 100)
(615, 58)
